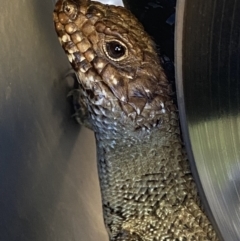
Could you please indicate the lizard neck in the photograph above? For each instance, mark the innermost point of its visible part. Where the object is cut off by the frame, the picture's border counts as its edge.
(144, 172)
(144, 152)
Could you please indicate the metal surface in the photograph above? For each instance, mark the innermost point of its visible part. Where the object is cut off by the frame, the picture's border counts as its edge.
(48, 179)
(207, 60)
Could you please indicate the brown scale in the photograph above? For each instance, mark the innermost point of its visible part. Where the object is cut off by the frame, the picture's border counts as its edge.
(148, 193)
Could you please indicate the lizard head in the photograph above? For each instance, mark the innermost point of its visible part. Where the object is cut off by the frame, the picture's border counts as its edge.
(115, 60)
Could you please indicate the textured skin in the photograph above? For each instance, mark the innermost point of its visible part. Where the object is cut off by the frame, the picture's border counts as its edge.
(148, 193)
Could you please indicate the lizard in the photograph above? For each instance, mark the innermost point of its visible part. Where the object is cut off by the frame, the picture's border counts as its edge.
(123, 95)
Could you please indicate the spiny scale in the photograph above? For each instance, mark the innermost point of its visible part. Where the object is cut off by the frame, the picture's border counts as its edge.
(148, 193)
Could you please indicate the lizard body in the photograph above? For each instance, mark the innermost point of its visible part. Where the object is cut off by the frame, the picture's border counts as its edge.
(148, 193)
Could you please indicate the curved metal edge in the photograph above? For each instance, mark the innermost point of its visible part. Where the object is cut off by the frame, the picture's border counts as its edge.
(178, 47)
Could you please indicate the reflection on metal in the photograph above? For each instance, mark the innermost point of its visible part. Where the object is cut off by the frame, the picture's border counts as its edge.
(112, 2)
(208, 84)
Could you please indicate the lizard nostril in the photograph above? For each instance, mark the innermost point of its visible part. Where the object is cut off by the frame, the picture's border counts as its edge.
(67, 9)
(70, 10)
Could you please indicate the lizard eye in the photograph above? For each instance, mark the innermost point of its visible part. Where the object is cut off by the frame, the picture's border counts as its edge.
(115, 50)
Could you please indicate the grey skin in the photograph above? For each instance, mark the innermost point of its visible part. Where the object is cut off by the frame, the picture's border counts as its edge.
(148, 193)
